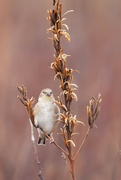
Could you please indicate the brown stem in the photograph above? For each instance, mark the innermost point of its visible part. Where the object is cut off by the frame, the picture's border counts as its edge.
(71, 160)
(60, 148)
(72, 169)
(57, 47)
(86, 135)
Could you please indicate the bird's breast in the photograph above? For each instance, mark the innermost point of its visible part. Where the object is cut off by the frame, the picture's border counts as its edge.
(45, 118)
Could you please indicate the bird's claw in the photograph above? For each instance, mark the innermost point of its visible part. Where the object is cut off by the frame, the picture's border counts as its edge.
(51, 139)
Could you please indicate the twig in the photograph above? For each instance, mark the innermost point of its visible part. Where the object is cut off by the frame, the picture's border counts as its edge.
(86, 135)
(60, 148)
(53, 142)
(38, 162)
(35, 151)
(26, 102)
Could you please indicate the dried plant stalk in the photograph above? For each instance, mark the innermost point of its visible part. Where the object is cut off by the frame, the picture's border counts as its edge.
(28, 105)
(26, 102)
(65, 77)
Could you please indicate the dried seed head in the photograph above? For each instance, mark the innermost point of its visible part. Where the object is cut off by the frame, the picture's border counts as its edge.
(93, 110)
(26, 102)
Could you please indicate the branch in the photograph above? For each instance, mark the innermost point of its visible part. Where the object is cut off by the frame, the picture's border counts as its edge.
(35, 151)
(26, 102)
(86, 135)
(38, 162)
(53, 142)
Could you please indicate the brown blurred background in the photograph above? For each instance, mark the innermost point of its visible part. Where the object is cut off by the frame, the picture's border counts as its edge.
(25, 57)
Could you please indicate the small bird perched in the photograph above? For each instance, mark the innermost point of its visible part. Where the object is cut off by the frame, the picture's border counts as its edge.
(46, 114)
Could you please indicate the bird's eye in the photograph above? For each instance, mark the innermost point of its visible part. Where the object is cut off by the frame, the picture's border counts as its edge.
(44, 92)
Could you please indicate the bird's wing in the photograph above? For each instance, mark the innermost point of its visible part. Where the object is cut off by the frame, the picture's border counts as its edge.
(57, 111)
(36, 109)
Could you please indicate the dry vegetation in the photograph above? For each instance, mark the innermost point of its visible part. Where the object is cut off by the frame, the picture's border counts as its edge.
(68, 93)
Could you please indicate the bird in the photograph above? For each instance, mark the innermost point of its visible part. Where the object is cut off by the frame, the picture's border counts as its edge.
(46, 115)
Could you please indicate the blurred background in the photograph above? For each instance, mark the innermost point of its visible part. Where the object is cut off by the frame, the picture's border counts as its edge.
(25, 57)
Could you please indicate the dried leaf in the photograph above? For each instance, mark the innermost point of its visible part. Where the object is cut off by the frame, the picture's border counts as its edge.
(80, 122)
(63, 107)
(56, 37)
(74, 96)
(67, 36)
(74, 85)
(63, 19)
(70, 141)
(60, 10)
(66, 26)
(67, 12)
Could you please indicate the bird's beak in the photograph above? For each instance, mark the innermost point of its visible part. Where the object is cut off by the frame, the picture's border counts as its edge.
(48, 94)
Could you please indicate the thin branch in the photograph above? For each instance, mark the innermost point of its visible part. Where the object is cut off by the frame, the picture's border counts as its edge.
(53, 142)
(38, 162)
(60, 148)
(86, 135)
(26, 102)
(35, 151)
(65, 158)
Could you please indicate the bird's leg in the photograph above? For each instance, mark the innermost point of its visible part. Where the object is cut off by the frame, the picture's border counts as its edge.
(44, 141)
(48, 136)
(39, 141)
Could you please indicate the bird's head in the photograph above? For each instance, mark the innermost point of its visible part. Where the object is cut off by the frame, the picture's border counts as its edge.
(46, 94)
